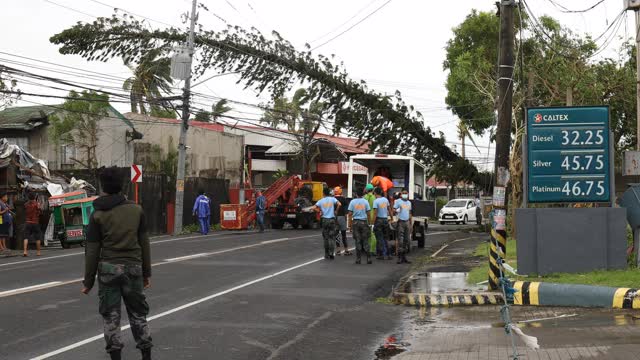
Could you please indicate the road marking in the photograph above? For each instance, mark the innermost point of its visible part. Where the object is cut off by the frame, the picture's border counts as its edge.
(447, 245)
(152, 242)
(179, 308)
(29, 288)
(164, 262)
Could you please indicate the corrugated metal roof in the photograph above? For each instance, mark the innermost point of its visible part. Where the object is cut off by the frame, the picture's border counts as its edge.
(25, 117)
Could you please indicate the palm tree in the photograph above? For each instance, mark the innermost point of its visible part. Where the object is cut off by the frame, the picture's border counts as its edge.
(463, 133)
(151, 77)
(219, 109)
(302, 118)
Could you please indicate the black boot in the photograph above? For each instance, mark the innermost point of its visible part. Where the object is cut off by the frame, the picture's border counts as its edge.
(146, 354)
(369, 260)
(405, 260)
(116, 355)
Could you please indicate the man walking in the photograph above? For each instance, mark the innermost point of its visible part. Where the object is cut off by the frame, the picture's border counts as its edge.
(342, 220)
(118, 250)
(261, 207)
(328, 206)
(32, 229)
(381, 225)
(402, 208)
(359, 209)
(202, 209)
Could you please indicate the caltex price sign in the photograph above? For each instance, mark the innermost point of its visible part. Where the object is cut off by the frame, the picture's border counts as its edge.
(568, 154)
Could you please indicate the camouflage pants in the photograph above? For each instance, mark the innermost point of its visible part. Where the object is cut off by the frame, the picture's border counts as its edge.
(123, 282)
(404, 237)
(361, 233)
(329, 232)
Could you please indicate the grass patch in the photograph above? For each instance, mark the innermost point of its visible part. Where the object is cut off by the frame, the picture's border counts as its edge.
(614, 278)
(385, 300)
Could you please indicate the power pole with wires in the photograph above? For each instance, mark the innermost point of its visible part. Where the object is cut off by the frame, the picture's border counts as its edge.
(182, 145)
(498, 246)
(635, 6)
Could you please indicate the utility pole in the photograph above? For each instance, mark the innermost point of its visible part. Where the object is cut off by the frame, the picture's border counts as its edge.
(498, 246)
(182, 145)
(637, 11)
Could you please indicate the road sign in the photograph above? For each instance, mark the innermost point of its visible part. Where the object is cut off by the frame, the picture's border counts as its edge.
(568, 154)
(136, 173)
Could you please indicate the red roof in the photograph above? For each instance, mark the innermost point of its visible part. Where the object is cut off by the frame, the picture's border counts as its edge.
(80, 201)
(73, 193)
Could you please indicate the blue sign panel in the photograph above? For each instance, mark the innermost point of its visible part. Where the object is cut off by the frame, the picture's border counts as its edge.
(568, 154)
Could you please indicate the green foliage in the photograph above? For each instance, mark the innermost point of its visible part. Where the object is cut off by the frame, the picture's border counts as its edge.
(219, 109)
(7, 84)
(160, 112)
(280, 174)
(151, 78)
(165, 163)
(77, 125)
(455, 172)
(203, 116)
(387, 123)
(302, 117)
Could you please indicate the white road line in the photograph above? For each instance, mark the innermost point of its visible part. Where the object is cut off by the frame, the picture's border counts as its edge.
(179, 308)
(152, 243)
(447, 245)
(164, 262)
(273, 241)
(29, 288)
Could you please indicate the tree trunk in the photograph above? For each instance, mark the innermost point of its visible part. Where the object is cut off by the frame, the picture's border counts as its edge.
(463, 151)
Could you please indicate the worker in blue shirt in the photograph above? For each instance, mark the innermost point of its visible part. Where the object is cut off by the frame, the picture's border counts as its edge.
(202, 209)
(328, 206)
(402, 208)
(261, 206)
(381, 208)
(359, 211)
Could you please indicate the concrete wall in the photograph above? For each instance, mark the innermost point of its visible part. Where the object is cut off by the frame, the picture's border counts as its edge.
(210, 154)
(570, 240)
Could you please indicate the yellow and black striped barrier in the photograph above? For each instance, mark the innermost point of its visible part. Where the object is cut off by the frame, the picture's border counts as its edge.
(446, 300)
(533, 294)
(550, 294)
(497, 247)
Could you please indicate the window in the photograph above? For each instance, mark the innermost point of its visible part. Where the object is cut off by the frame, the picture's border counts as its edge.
(67, 153)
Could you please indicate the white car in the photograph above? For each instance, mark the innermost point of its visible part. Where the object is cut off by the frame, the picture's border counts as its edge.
(459, 211)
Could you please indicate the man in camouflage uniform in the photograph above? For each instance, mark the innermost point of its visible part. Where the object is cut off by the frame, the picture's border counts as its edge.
(118, 250)
(359, 210)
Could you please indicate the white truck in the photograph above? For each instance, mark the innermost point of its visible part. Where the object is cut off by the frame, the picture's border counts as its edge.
(406, 172)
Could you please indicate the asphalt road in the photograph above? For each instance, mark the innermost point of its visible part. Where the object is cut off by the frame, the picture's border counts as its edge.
(223, 296)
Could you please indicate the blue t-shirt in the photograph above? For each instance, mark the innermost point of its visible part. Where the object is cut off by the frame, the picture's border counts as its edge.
(403, 209)
(261, 203)
(381, 205)
(327, 205)
(359, 208)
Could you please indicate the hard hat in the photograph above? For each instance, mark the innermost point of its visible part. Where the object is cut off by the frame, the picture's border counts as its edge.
(369, 187)
(337, 191)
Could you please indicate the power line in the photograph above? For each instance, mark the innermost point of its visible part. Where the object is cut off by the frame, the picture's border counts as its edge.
(565, 10)
(346, 22)
(352, 26)
(70, 8)
(129, 12)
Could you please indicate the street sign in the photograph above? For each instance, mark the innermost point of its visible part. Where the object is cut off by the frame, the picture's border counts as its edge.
(631, 163)
(568, 154)
(136, 173)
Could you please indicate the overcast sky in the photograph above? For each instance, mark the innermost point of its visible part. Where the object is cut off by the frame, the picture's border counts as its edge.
(401, 46)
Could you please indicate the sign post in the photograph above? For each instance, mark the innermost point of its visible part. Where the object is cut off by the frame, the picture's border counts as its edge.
(568, 155)
(136, 178)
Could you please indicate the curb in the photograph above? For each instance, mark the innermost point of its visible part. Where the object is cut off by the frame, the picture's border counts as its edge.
(550, 294)
(447, 300)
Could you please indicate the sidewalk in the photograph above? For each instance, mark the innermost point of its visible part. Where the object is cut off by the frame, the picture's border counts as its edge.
(475, 333)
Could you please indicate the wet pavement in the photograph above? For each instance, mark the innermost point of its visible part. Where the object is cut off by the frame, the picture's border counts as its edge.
(471, 333)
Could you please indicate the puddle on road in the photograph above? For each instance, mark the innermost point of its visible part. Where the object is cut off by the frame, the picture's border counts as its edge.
(438, 282)
(391, 347)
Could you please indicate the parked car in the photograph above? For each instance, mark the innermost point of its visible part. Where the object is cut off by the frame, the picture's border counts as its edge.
(459, 211)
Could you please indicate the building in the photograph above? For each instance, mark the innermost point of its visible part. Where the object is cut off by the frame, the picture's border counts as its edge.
(28, 126)
(211, 152)
(272, 151)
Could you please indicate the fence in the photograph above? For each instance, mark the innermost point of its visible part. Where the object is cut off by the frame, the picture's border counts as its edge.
(155, 192)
